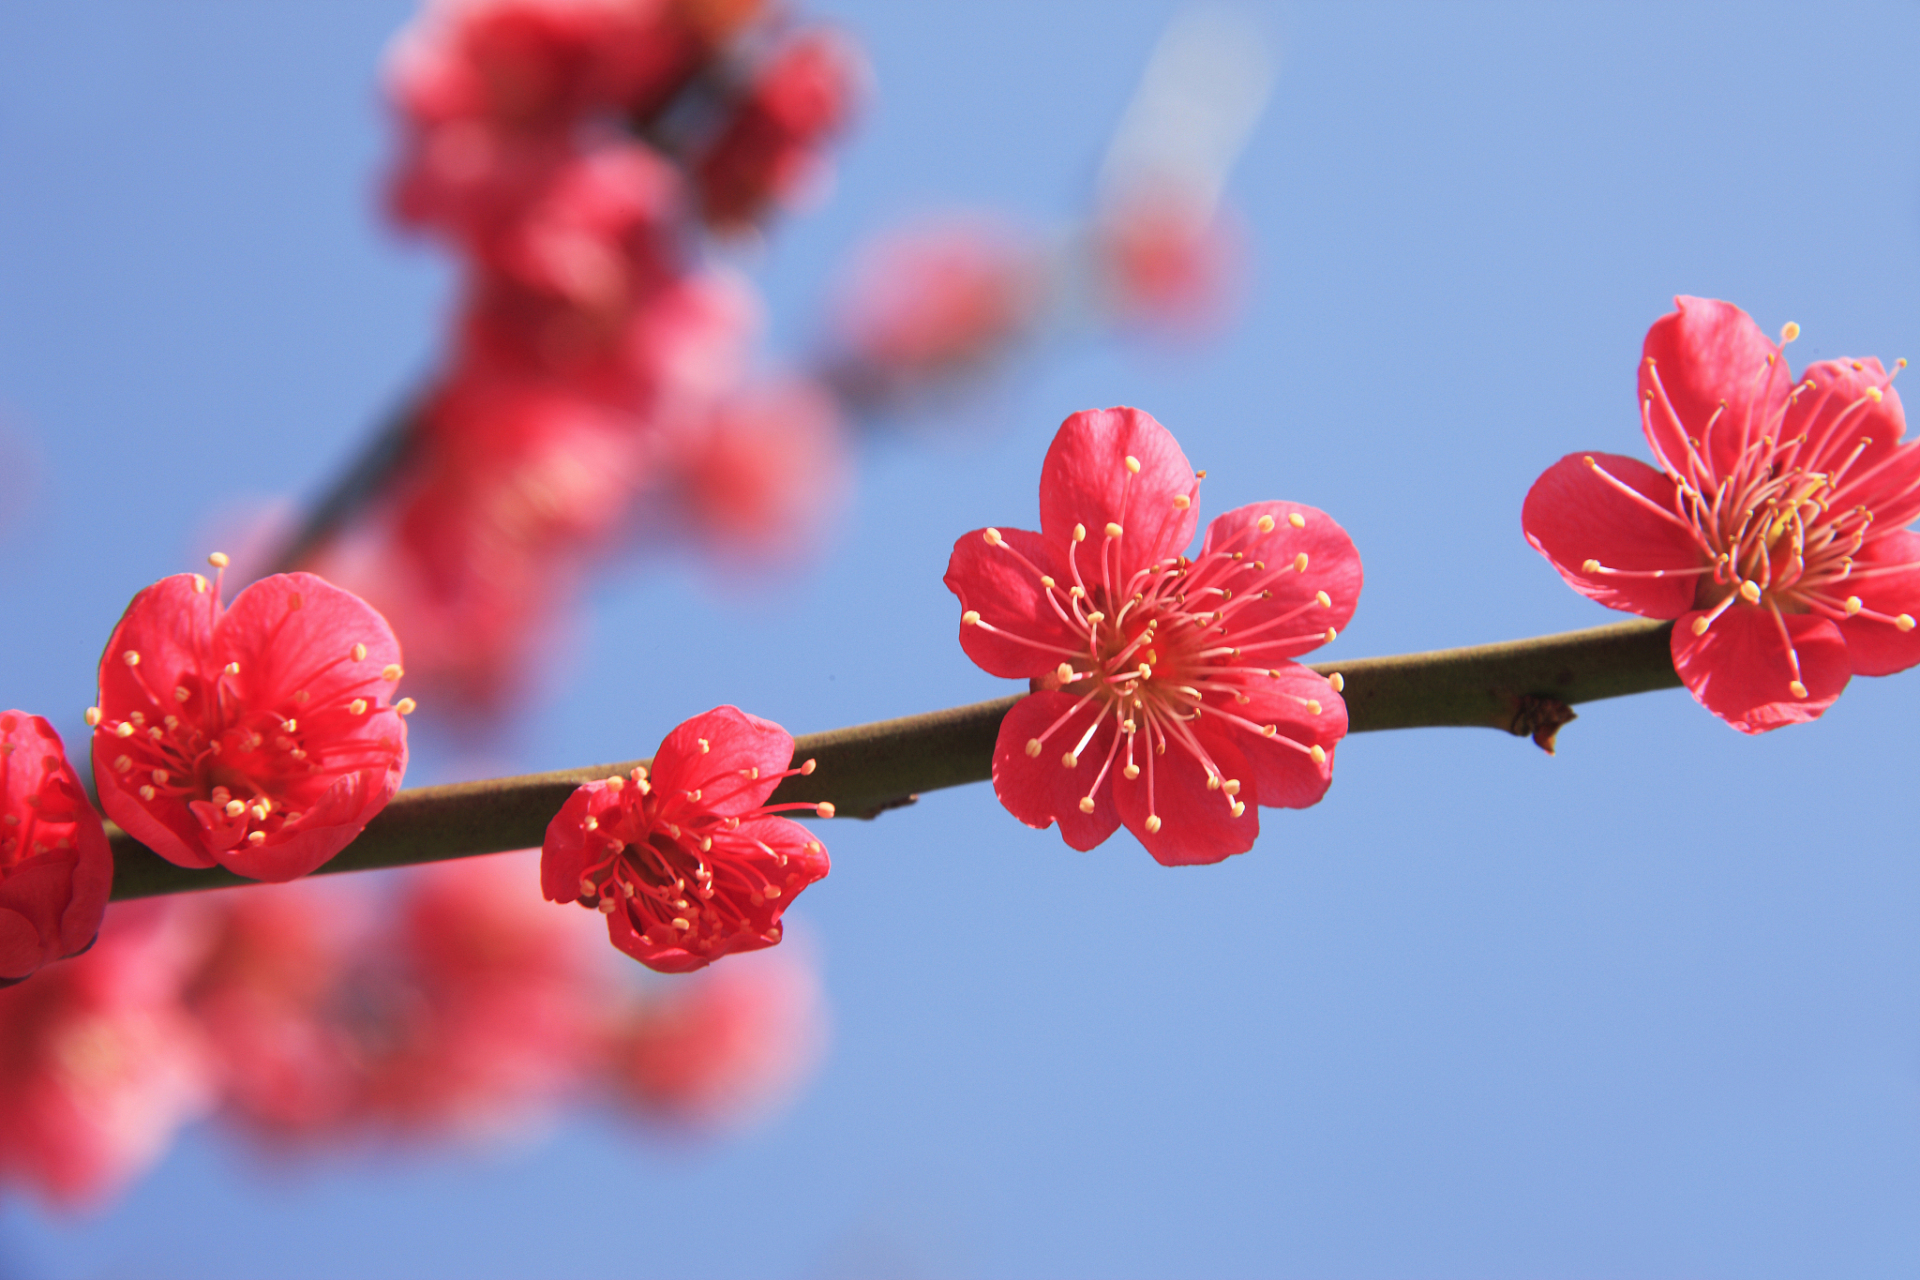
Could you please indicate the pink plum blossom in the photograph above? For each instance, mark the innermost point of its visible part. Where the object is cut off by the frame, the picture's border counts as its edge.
(1772, 529)
(1165, 695)
(55, 867)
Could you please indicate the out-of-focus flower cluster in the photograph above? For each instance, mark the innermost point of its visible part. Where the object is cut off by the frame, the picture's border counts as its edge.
(442, 1002)
(576, 155)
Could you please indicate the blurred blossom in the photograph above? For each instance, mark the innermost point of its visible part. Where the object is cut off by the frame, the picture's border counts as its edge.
(722, 1049)
(99, 1063)
(1165, 260)
(771, 151)
(765, 472)
(55, 867)
(935, 302)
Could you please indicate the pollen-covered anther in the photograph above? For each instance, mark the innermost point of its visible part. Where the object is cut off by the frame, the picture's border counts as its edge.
(1079, 533)
(1130, 772)
(1113, 530)
(1333, 633)
(256, 837)
(1313, 706)
(1064, 672)
(1904, 622)
(824, 809)
(807, 767)
(359, 653)
(992, 537)
(1300, 563)
(219, 560)
(199, 585)
(358, 706)
(232, 668)
(235, 808)
(1070, 760)
(1181, 502)
(392, 671)
(1153, 824)
(1213, 782)
(92, 717)
(406, 706)
(1873, 394)
(1338, 681)
(123, 764)
(1133, 464)
(1237, 808)
(971, 618)
(147, 792)
(1788, 332)
(1297, 520)
(1589, 566)
(123, 730)
(1797, 689)
(1264, 524)
(1700, 624)
(1269, 730)
(1033, 747)
(1317, 753)
(1854, 605)
(131, 657)
(1086, 804)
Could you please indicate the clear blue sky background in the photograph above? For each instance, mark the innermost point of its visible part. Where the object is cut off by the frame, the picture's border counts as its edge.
(1648, 1009)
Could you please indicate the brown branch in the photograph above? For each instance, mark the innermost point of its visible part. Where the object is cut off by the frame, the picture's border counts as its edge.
(1524, 687)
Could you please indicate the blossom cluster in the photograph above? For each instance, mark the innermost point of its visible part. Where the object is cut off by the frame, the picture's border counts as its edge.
(441, 1003)
(575, 155)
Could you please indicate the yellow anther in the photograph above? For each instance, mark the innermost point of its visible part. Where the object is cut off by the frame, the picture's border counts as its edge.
(199, 585)
(1317, 753)
(131, 657)
(359, 653)
(1231, 786)
(806, 768)
(1788, 332)
(93, 716)
(405, 706)
(705, 745)
(1070, 760)
(1300, 563)
(1589, 566)
(1113, 530)
(1086, 802)
(1333, 633)
(1338, 681)
(824, 809)
(1153, 655)
(1153, 824)
(1264, 524)
(391, 671)
(992, 537)
(1588, 459)
(259, 812)
(232, 668)
(1853, 605)
(256, 837)
(235, 808)
(1065, 672)
(1873, 394)
(1237, 808)
(1700, 625)
(1313, 706)
(592, 823)
(1213, 782)
(1750, 591)
(1797, 689)
(1133, 464)
(1325, 600)
(358, 706)
(1904, 622)
(1033, 746)
(1146, 672)
(123, 764)
(160, 776)
(616, 783)
(1079, 533)
(1046, 582)
(1096, 618)
(971, 618)
(123, 730)
(1297, 520)
(146, 792)
(1130, 772)
(1181, 502)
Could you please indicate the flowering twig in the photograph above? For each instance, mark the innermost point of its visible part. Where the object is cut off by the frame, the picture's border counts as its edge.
(1522, 686)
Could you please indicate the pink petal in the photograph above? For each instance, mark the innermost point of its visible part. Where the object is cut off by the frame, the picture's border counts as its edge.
(1333, 566)
(563, 851)
(1197, 825)
(1706, 352)
(1009, 598)
(1040, 790)
(1880, 648)
(1841, 420)
(1085, 481)
(1573, 515)
(1739, 668)
(736, 742)
(1283, 775)
(295, 631)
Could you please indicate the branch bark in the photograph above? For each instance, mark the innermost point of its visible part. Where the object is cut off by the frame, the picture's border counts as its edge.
(1525, 687)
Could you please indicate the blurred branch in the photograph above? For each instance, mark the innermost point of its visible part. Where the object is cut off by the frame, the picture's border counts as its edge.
(1524, 687)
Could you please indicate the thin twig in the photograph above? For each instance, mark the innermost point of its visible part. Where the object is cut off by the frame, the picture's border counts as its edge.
(870, 768)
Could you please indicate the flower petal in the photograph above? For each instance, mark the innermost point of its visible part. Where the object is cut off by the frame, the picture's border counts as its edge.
(1282, 604)
(295, 631)
(1739, 669)
(1874, 647)
(1085, 480)
(1197, 825)
(1283, 773)
(715, 749)
(1696, 357)
(1023, 636)
(1857, 437)
(1573, 515)
(1040, 789)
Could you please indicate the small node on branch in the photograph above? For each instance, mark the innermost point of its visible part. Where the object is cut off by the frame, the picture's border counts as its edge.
(1539, 717)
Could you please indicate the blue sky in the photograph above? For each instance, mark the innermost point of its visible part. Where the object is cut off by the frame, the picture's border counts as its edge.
(1650, 1008)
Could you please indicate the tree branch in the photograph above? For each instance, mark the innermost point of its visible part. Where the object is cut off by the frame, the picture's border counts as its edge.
(1523, 686)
